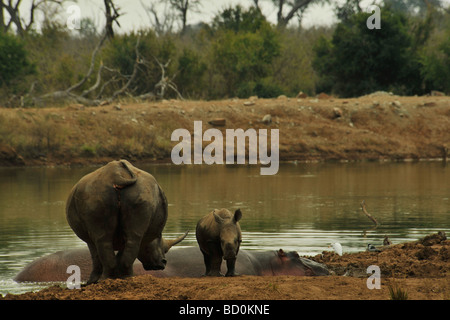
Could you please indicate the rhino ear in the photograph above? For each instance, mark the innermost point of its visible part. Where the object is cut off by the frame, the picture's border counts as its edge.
(237, 215)
(218, 219)
(281, 253)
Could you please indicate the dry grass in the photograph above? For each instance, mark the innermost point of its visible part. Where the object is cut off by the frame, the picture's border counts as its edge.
(369, 128)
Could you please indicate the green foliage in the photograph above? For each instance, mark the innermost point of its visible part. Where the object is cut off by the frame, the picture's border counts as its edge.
(191, 71)
(243, 50)
(435, 59)
(14, 62)
(359, 60)
(239, 54)
(120, 54)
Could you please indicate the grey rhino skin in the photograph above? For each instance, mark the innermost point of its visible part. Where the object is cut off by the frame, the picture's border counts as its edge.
(182, 262)
(119, 207)
(219, 236)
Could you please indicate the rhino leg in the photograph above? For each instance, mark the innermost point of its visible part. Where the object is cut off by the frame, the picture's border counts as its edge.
(97, 268)
(107, 258)
(230, 268)
(126, 257)
(213, 261)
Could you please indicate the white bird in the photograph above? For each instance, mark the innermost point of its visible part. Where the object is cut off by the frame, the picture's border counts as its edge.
(371, 248)
(337, 248)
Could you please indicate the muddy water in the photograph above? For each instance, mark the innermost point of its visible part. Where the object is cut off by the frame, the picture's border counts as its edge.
(304, 207)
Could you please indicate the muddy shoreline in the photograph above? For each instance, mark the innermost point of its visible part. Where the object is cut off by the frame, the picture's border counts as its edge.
(419, 268)
(377, 127)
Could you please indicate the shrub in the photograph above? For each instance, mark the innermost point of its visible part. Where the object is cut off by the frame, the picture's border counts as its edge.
(359, 60)
(243, 51)
(13, 59)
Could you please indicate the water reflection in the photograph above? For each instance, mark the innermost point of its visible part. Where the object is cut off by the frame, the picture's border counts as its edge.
(304, 207)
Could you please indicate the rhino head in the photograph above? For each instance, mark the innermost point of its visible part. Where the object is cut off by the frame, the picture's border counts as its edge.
(152, 255)
(230, 234)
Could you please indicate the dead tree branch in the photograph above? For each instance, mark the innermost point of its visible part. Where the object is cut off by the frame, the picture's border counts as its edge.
(82, 98)
(111, 14)
(92, 65)
(165, 82)
(15, 16)
(363, 207)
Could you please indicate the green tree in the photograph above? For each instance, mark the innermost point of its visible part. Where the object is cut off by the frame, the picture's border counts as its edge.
(358, 60)
(191, 69)
(244, 46)
(13, 59)
(435, 62)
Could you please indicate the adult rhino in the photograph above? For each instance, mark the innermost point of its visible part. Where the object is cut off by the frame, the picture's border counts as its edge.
(120, 208)
(182, 262)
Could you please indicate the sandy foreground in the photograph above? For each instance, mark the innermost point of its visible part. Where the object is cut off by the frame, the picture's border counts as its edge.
(419, 269)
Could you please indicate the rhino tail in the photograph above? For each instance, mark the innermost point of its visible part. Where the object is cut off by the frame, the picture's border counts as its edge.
(125, 176)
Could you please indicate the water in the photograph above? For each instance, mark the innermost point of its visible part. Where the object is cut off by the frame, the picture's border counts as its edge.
(304, 207)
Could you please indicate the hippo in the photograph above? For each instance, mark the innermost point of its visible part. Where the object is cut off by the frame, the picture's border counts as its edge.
(182, 262)
(119, 207)
(219, 236)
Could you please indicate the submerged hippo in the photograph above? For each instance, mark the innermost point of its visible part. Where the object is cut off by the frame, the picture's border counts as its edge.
(182, 262)
(219, 236)
(120, 208)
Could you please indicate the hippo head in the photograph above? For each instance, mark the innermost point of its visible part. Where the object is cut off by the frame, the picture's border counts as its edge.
(290, 263)
(230, 234)
(152, 255)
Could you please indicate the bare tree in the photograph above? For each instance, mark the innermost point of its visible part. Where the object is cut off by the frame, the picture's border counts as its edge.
(163, 23)
(166, 82)
(111, 14)
(70, 94)
(16, 17)
(182, 7)
(295, 8)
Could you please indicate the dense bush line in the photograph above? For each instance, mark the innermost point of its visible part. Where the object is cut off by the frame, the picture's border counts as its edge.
(239, 54)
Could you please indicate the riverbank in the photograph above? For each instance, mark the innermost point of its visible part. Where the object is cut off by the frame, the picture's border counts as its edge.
(374, 127)
(419, 269)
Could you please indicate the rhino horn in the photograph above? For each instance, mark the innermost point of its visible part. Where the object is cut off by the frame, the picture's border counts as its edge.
(170, 243)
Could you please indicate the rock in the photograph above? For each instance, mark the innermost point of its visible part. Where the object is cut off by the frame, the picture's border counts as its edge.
(282, 97)
(380, 94)
(249, 103)
(337, 113)
(117, 107)
(323, 96)
(396, 103)
(219, 122)
(302, 95)
(9, 156)
(436, 93)
(267, 119)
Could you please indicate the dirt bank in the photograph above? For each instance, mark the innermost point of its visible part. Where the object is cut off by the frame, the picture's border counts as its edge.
(420, 268)
(377, 126)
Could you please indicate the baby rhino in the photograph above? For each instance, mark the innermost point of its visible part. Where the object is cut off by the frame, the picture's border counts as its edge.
(219, 236)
